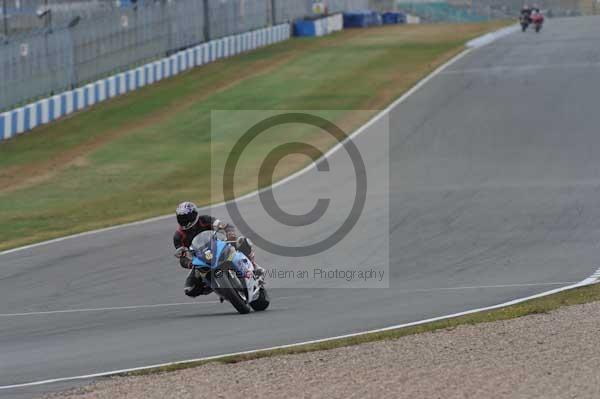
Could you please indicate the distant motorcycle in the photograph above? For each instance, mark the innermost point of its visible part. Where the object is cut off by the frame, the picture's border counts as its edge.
(228, 272)
(538, 21)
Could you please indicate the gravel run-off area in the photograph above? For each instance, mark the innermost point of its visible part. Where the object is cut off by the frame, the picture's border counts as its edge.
(553, 355)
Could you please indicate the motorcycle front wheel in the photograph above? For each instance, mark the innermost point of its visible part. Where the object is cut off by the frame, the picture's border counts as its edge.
(229, 286)
(262, 302)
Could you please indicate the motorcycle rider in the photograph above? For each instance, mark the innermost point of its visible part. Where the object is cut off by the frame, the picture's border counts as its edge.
(526, 13)
(537, 18)
(535, 13)
(191, 223)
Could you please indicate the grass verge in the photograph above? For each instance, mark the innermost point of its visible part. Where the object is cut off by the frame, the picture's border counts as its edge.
(138, 155)
(545, 304)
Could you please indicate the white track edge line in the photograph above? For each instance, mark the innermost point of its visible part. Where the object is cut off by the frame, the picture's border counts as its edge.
(360, 130)
(89, 310)
(176, 304)
(587, 281)
(491, 37)
(131, 307)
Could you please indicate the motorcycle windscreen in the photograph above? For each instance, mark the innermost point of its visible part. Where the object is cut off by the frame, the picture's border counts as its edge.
(207, 256)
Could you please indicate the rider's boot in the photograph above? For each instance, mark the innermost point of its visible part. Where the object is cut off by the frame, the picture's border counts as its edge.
(194, 286)
(259, 272)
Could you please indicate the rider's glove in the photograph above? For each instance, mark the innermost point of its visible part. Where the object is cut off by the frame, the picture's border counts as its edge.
(186, 263)
(218, 225)
(184, 256)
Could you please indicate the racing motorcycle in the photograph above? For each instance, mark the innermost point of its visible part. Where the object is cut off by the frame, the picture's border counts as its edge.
(537, 20)
(228, 272)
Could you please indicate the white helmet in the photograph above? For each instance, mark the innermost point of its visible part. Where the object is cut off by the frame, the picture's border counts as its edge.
(187, 215)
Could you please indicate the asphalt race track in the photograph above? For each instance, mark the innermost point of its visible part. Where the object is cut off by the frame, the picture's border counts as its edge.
(494, 195)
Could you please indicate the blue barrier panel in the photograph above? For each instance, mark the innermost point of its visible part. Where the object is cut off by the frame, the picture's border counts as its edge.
(50, 109)
(354, 20)
(63, 105)
(13, 122)
(361, 19)
(38, 113)
(26, 117)
(304, 28)
(2, 127)
(76, 99)
(117, 85)
(127, 81)
(106, 89)
(149, 73)
(7, 125)
(391, 18)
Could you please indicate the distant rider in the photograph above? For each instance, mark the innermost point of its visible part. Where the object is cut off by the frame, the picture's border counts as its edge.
(536, 14)
(191, 223)
(526, 13)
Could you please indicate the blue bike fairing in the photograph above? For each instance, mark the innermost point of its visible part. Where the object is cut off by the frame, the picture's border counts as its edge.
(240, 262)
(220, 246)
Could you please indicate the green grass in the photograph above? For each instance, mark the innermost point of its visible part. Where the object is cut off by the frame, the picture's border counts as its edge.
(545, 304)
(138, 155)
